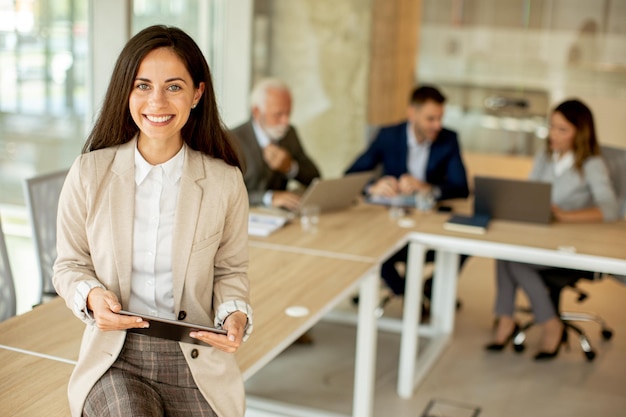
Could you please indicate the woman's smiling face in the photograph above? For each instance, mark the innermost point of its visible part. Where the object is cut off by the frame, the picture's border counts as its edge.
(162, 96)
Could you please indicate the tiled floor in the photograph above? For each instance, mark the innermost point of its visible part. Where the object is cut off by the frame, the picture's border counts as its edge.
(504, 384)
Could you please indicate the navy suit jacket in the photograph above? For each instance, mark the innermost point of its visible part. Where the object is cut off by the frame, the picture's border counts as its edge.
(444, 169)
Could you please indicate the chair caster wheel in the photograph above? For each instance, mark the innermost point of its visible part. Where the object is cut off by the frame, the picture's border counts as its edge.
(519, 348)
(607, 334)
(590, 355)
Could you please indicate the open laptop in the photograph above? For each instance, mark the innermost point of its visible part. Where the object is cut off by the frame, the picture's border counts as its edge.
(509, 199)
(336, 193)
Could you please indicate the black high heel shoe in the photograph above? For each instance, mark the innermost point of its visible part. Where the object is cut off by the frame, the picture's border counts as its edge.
(497, 347)
(543, 356)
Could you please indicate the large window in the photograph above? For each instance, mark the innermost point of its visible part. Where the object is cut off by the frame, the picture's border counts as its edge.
(45, 102)
(43, 52)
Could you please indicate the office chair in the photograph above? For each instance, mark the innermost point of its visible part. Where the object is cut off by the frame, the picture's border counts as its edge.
(557, 279)
(42, 200)
(7, 288)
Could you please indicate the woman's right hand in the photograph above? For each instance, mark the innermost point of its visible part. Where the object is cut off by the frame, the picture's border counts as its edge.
(105, 308)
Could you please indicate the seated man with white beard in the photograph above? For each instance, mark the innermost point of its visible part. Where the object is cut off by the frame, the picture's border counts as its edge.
(271, 149)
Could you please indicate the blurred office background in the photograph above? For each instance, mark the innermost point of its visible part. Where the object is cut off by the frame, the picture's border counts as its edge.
(350, 63)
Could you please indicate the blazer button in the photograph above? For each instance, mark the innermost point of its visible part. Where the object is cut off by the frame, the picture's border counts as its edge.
(194, 353)
(182, 314)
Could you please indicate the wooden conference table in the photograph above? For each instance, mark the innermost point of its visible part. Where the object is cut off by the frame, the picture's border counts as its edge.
(594, 247)
(42, 345)
(331, 264)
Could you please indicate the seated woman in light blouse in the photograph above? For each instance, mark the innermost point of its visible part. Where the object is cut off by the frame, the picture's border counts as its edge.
(581, 192)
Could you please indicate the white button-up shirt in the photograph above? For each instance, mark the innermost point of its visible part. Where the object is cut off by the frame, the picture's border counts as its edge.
(156, 194)
(417, 155)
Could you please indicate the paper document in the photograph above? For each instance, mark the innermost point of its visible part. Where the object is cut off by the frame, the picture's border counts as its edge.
(264, 224)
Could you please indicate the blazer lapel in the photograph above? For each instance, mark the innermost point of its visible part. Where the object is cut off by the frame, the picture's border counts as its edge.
(403, 150)
(256, 161)
(434, 159)
(122, 214)
(187, 211)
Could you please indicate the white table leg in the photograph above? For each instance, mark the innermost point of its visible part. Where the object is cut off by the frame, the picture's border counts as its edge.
(443, 302)
(411, 370)
(411, 319)
(365, 362)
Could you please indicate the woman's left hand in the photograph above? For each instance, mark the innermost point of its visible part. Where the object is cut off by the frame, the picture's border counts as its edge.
(235, 325)
(558, 214)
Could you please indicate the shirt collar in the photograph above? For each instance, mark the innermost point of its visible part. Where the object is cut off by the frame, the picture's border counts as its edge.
(563, 163)
(173, 168)
(261, 136)
(411, 139)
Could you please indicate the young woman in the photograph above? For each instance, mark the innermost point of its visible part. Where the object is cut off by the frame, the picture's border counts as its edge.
(581, 192)
(153, 219)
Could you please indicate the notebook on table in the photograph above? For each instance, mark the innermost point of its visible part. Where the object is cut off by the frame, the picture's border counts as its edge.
(476, 224)
(510, 199)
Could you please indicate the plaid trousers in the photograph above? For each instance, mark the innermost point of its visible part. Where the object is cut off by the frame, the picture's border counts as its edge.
(150, 378)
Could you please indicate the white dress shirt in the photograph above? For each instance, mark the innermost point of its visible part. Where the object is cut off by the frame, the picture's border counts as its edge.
(417, 155)
(156, 194)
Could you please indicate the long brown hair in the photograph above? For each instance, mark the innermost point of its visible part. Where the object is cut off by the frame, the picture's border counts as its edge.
(203, 131)
(585, 140)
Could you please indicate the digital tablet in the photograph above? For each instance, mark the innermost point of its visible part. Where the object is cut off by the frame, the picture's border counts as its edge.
(170, 329)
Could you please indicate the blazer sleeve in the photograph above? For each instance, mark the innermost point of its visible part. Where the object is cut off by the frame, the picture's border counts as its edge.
(73, 264)
(455, 182)
(307, 170)
(231, 259)
(256, 197)
(255, 176)
(371, 158)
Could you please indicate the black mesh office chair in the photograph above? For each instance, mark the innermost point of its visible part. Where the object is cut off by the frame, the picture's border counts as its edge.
(558, 279)
(7, 288)
(42, 200)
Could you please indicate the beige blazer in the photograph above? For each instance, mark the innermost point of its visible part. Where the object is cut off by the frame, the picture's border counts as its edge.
(210, 260)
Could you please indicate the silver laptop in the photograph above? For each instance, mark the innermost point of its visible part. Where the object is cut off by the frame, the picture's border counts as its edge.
(509, 199)
(336, 193)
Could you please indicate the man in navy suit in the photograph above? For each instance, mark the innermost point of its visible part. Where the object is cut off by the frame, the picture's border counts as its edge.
(417, 156)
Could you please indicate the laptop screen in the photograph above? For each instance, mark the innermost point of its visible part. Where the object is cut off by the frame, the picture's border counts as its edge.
(509, 199)
(336, 193)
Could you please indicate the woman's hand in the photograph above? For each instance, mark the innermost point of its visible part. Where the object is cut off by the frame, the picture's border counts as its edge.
(105, 306)
(235, 325)
(588, 215)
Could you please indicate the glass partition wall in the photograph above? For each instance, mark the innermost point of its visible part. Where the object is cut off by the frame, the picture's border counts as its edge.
(43, 53)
